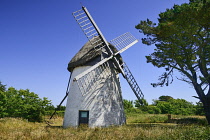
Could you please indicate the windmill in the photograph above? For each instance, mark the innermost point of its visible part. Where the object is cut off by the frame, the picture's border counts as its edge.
(94, 92)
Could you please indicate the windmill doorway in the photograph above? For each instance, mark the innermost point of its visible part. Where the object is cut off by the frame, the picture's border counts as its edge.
(83, 117)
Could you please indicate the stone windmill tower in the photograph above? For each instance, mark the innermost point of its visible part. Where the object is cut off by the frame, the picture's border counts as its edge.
(94, 96)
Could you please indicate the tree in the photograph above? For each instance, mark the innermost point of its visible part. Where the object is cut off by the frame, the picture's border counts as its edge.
(2, 87)
(199, 109)
(61, 108)
(165, 107)
(176, 106)
(2, 100)
(22, 103)
(127, 104)
(165, 98)
(182, 40)
(143, 102)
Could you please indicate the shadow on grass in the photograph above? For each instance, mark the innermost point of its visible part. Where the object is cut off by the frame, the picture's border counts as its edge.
(150, 125)
(197, 121)
(172, 122)
(50, 126)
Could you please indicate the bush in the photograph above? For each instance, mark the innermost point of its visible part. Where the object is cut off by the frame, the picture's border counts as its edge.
(22, 103)
(176, 106)
(150, 109)
(127, 104)
(133, 110)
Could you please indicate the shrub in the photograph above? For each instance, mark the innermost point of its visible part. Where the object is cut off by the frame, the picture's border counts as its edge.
(22, 103)
(133, 110)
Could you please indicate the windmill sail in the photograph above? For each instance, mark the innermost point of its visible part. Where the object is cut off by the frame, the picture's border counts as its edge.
(86, 79)
(124, 42)
(132, 82)
(121, 43)
(90, 28)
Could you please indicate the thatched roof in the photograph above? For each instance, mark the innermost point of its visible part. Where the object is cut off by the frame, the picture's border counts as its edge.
(86, 54)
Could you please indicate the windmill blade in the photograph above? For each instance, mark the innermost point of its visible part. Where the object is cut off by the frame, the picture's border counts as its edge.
(90, 29)
(124, 42)
(92, 68)
(132, 82)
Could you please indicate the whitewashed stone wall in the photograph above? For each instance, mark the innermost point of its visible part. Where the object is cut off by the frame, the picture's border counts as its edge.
(104, 102)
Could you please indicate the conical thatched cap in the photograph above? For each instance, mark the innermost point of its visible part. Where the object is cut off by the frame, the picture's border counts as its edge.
(86, 54)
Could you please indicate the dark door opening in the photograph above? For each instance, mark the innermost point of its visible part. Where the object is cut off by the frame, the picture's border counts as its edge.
(83, 117)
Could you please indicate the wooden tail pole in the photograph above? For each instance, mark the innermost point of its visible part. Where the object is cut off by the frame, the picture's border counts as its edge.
(67, 92)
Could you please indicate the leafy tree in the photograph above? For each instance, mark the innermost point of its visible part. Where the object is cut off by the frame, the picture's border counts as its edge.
(2, 100)
(146, 108)
(165, 107)
(176, 106)
(142, 103)
(165, 98)
(2, 87)
(199, 109)
(183, 107)
(182, 40)
(127, 104)
(153, 109)
(22, 103)
(50, 108)
(61, 108)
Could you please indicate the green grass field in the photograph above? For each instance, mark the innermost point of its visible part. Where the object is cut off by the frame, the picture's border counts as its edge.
(138, 127)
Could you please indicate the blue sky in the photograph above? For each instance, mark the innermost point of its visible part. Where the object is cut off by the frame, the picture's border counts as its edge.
(39, 37)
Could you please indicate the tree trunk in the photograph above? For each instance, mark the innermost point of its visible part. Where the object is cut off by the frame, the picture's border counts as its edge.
(205, 99)
(206, 106)
(207, 111)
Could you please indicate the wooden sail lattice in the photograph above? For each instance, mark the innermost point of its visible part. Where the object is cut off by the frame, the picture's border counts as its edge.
(124, 42)
(90, 28)
(88, 80)
(132, 82)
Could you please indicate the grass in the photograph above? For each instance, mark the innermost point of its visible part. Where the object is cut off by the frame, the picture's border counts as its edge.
(138, 127)
(146, 118)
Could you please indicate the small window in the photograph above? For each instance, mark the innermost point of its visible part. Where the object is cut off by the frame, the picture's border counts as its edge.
(83, 117)
(84, 114)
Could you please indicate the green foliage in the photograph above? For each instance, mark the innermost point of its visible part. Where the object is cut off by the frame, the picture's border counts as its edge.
(176, 106)
(133, 110)
(165, 105)
(22, 103)
(182, 40)
(179, 45)
(153, 109)
(127, 104)
(50, 107)
(146, 108)
(138, 104)
(61, 108)
(2, 87)
(165, 98)
(58, 113)
(199, 109)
